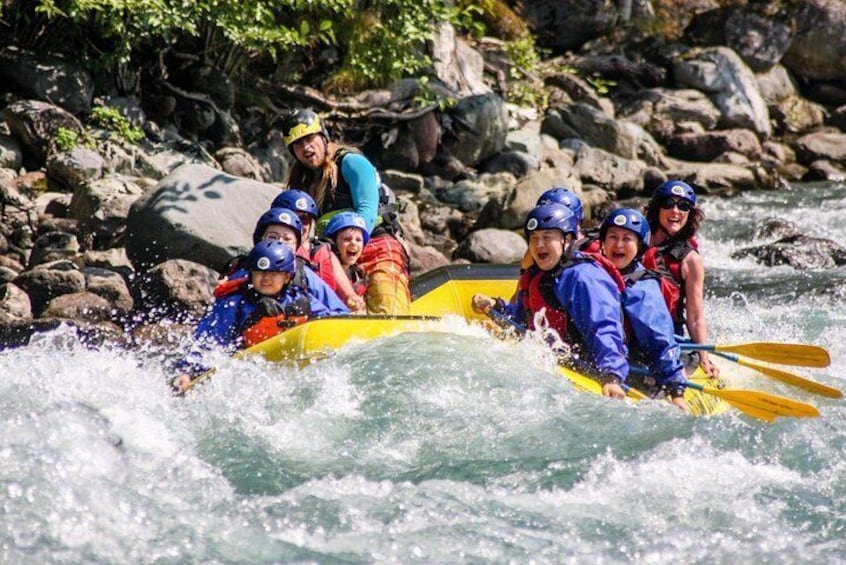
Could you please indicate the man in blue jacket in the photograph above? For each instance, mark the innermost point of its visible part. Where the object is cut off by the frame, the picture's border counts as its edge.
(577, 295)
(649, 327)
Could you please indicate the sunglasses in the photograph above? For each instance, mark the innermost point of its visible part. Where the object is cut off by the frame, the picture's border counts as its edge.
(670, 203)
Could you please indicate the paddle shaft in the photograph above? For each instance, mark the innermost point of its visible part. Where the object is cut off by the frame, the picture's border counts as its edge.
(797, 354)
(784, 376)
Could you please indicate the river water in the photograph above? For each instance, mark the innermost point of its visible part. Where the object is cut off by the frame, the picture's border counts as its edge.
(437, 448)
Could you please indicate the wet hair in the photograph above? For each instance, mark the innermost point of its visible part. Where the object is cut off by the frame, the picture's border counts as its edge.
(691, 227)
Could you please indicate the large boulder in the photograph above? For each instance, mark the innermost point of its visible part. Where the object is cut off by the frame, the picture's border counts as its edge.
(175, 289)
(49, 280)
(565, 25)
(478, 128)
(818, 49)
(102, 207)
(726, 79)
(509, 210)
(799, 251)
(760, 35)
(710, 145)
(456, 64)
(664, 112)
(196, 213)
(46, 78)
(492, 245)
(830, 146)
(36, 124)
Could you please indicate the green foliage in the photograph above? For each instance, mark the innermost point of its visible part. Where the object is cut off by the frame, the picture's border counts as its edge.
(111, 119)
(525, 89)
(66, 139)
(427, 96)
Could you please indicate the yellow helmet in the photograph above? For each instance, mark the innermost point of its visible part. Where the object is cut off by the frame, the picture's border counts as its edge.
(302, 123)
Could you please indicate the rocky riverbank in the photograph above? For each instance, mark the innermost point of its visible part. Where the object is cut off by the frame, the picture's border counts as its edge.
(112, 235)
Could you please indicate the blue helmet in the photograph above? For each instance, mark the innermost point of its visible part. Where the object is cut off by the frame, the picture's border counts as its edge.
(272, 256)
(630, 219)
(551, 217)
(565, 196)
(677, 188)
(346, 220)
(296, 200)
(278, 217)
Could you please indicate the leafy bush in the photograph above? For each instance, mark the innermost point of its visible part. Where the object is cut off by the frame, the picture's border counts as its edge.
(111, 119)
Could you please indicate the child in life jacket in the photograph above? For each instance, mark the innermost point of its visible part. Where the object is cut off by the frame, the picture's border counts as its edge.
(265, 303)
(283, 225)
(348, 233)
(575, 293)
(649, 327)
(674, 219)
(319, 253)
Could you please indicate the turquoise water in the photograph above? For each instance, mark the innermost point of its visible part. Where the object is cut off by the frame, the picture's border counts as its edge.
(435, 448)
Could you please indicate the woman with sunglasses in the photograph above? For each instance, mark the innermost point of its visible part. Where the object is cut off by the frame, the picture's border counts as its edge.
(674, 220)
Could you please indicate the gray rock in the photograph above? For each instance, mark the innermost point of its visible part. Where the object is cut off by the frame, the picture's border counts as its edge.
(478, 126)
(517, 163)
(47, 78)
(594, 127)
(566, 25)
(196, 213)
(776, 228)
(509, 210)
(36, 124)
(49, 280)
(112, 259)
(726, 79)
(663, 112)
(456, 64)
(800, 252)
(14, 303)
(758, 35)
(795, 114)
(102, 207)
(109, 285)
(424, 258)
(818, 49)
(492, 245)
(53, 246)
(79, 306)
(400, 181)
(824, 170)
(472, 195)
(239, 163)
(11, 154)
(830, 146)
(610, 172)
(776, 84)
(175, 289)
(74, 168)
(709, 145)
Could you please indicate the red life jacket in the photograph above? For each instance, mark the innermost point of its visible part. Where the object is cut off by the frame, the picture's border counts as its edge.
(270, 326)
(666, 260)
(320, 259)
(537, 289)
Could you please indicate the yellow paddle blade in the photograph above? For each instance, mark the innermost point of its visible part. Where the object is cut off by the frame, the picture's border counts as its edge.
(764, 405)
(792, 379)
(797, 354)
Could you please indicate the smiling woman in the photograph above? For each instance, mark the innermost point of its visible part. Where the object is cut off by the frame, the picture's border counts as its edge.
(675, 219)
